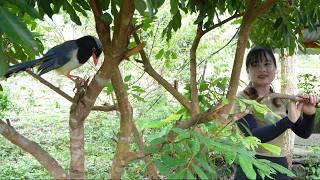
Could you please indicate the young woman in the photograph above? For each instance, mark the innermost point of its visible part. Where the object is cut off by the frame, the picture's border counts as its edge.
(261, 68)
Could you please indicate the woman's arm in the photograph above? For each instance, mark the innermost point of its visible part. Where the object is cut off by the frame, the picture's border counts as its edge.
(248, 125)
(304, 126)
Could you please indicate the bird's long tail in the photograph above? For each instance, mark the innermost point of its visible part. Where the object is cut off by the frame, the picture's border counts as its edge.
(24, 66)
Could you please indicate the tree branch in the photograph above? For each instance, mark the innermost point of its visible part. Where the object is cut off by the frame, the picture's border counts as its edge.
(125, 131)
(122, 29)
(236, 15)
(47, 161)
(135, 50)
(134, 156)
(102, 27)
(105, 108)
(195, 109)
(149, 69)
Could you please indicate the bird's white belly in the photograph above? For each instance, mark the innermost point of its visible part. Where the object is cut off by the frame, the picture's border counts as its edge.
(72, 64)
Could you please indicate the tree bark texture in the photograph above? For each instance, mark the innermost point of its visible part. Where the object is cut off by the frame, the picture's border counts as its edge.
(125, 131)
(195, 109)
(289, 86)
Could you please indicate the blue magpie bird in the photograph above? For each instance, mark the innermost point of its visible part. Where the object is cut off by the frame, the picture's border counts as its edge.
(64, 57)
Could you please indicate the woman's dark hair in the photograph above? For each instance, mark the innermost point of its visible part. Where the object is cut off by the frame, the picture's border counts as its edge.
(256, 55)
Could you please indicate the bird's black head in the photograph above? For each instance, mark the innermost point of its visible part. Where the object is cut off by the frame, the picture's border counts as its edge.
(89, 46)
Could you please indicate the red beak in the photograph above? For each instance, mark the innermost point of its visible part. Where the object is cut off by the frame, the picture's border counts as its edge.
(95, 60)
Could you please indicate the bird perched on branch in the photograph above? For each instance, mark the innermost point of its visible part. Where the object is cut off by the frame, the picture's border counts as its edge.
(64, 57)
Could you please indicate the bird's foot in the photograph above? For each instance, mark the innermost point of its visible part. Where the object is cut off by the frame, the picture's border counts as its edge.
(80, 82)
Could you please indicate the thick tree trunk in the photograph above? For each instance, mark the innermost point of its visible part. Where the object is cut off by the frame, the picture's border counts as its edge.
(124, 133)
(289, 86)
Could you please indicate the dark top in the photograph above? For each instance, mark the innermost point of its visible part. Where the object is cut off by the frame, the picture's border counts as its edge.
(303, 127)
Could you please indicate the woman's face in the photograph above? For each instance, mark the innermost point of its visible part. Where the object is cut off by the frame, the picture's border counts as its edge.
(263, 72)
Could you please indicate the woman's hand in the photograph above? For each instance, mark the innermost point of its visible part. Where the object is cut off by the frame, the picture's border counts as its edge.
(309, 105)
(294, 111)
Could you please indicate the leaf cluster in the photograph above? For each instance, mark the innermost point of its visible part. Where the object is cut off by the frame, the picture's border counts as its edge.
(283, 25)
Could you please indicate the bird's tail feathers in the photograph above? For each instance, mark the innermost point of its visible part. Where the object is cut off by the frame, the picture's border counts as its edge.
(24, 66)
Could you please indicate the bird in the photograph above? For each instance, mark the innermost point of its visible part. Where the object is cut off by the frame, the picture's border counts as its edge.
(63, 58)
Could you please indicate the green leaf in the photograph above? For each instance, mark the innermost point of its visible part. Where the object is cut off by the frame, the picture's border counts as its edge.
(203, 86)
(138, 89)
(160, 54)
(225, 101)
(140, 5)
(242, 106)
(173, 162)
(182, 134)
(139, 98)
(84, 4)
(282, 169)
(162, 168)
(199, 171)
(114, 10)
(174, 55)
(4, 64)
(127, 78)
(190, 175)
(200, 18)
(22, 5)
(271, 148)
(179, 175)
(167, 63)
(158, 141)
(173, 117)
(230, 156)
(151, 149)
(263, 167)
(207, 142)
(78, 8)
(153, 124)
(109, 89)
(251, 142)
(105, 4)
(203, 162)
(16, 30)
(247, 167)
(277, 23)
(195, 146)
(72, 13)
(106, 17)
(176, 21)
(45, 5)
(174, 6)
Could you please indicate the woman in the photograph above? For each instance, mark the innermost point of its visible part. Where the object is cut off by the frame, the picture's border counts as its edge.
(261, 68)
